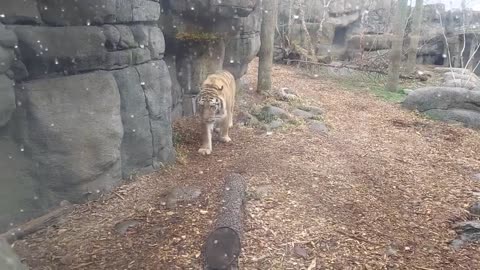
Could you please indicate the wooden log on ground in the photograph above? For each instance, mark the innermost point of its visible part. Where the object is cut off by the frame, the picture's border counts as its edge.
(37, 223)
(223, 245)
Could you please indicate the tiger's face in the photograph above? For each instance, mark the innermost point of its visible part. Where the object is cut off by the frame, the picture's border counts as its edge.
(210, 108)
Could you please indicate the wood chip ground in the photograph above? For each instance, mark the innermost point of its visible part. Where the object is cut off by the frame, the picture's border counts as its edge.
(378, 191)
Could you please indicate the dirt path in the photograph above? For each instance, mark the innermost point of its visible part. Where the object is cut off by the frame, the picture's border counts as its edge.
(378, 191)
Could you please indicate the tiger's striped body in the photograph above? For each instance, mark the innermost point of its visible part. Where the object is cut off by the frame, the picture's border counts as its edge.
(216, 102)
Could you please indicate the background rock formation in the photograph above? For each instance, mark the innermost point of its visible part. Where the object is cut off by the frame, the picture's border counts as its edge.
(88, 89)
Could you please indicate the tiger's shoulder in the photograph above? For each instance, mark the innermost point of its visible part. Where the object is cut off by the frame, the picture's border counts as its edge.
(221, 82)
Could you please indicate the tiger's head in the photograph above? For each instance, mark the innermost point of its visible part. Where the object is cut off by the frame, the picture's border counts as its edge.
(210, 108)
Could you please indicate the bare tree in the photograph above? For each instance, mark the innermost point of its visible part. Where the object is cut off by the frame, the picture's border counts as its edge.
(474, 45)
(414, 36)
(267, 35)
(325, 16)
(397, 44)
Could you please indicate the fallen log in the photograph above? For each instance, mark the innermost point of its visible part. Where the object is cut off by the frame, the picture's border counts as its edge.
(223, 245)
(37, 224)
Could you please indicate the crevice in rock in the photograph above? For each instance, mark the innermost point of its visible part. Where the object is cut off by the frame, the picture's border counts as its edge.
(149, 116)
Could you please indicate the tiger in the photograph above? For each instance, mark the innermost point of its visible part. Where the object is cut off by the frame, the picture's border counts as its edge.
(216, 102)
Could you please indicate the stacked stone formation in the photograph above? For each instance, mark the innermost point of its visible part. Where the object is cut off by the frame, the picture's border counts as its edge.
(87, 89)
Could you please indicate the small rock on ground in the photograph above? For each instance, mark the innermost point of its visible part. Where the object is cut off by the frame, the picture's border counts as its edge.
(475, 209)
(247, 119)
(123, 226)
(468, 232)
(275, 111)
(318, 127)
(182, 194)
(303, 114)
(275, 124)
(476, 177)
(313, 109)
(286, 94)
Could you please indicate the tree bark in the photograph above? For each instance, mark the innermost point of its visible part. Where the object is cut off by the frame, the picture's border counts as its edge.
(265, 55)
(414, 36)
(397, 44)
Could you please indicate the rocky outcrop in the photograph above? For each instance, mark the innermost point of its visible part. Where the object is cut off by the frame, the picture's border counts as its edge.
(205, 36)
(88, 89)
(447, 104)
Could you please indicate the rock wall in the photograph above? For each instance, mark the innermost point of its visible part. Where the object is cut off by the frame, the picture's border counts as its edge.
(351, 28)
(88, 89)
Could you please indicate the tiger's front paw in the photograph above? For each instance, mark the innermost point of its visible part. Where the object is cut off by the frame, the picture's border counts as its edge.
(225, 139)
(205, 151)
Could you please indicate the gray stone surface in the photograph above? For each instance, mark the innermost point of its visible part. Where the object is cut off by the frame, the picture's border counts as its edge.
(7, 99)
(318, 127)
(112, 36)
(302, 114)
(136, 149)
(6, 59)
(71, 127)
(468, 232)
(19, 191)
(23, 11)
(247, 119)
(468, 118)
(475, 208)
(244, 47)
(464, 77)
(97, 12)
(126, 37)
(447, 104)
(274, 124)
(8, 259)
(274, 112)
(424, 99)
(469, 84)
(156, 84)
(8, 38)
(81, 48)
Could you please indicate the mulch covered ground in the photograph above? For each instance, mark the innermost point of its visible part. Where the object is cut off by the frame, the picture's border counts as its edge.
(378, 191)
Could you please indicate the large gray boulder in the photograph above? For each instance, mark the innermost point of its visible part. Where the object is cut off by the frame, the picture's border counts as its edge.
(447, 104)
(72, 129)
(464, 77)
(7, 99)
(468, 84)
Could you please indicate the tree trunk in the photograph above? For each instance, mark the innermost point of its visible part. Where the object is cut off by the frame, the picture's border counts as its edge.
(397, 44)
(414, 36)
(265, 55)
